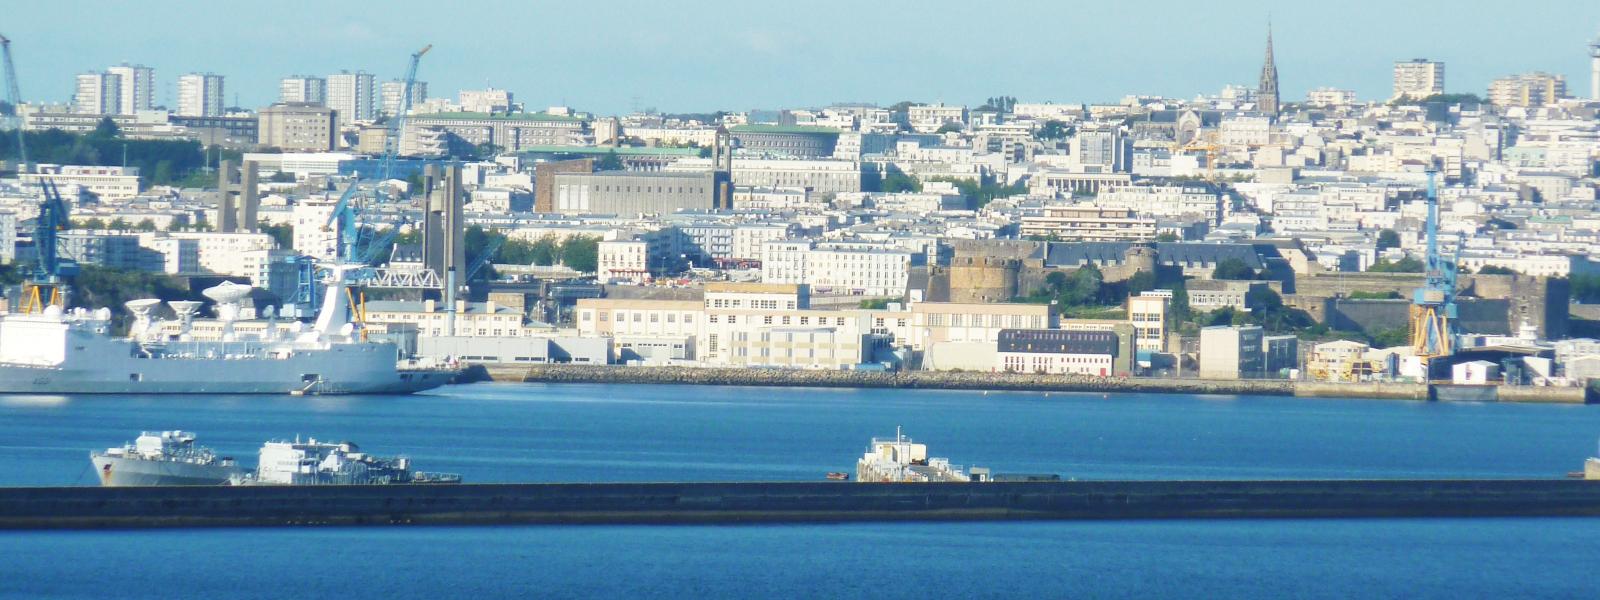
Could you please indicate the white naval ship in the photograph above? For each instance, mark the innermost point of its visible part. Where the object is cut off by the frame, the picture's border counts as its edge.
(173, 458)
(73, 352)
(900, 460)
(163, 458)
(341, 463)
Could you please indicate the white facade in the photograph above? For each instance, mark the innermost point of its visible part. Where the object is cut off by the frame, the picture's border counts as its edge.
(138, 88)
(109, 183)
(391, 91)
(227, 253)
(1330, 97)
(312, 237)
(749, 241)
(301, 88)
(8, 236)
(485, 101)
(837, 270)
(624, 260)
(98, 94)
(200, 95)
(352, 96)
(1418, 78)
(1148, 313)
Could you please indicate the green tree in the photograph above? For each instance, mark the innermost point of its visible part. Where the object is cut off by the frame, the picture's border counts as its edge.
(1234, 269)
(118, 224)
(1166, 236)
(875, 304)
(1496, 270)
(178, 223)
(545, 251)
(1404, 265)
(896, 182)
(106, 129)
(1056, 282)
(1388, 239)
(1054, 130)
(282, 177)
(94, 224)
(581, 253)
(610, 162)
(146, 226)
(1083, 286)
(95, 287)
(282, 234)
(950, 127)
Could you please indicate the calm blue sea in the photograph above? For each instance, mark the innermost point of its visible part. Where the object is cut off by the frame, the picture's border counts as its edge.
(531, 432)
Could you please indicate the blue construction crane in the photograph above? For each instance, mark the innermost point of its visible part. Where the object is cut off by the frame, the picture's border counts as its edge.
(14, 96)
(47, 285)
(391, 137)
(484, 257)
(1433, 306)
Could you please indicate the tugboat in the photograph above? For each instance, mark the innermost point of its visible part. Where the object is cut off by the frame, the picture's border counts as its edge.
(163, 458)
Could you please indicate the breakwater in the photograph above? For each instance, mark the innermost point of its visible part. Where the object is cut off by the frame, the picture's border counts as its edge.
(93, 507)
(972, 380)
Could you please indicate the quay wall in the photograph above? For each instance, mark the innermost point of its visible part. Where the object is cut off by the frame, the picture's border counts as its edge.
(734, 503)
(972, 380)
(954, 380)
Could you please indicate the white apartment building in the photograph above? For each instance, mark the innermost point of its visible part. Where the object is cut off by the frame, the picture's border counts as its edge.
(615, 317)
(1327, 96)
(837, 269)
(1418, 78)
(928, 118)
(138, 88)
(1231, 352)
(1183, 200)
(312, 237)
(1527, 90)
(391, 92)
(624, 260)
(227, 253)
(181, 257)
(304, 89)
(352, 96)
(1148, 313)
(485, 101)
(109, 183)
(1088, 223)
(470, 319)
(200, 95)
(98, 94)
(934, 323)
(749, 240)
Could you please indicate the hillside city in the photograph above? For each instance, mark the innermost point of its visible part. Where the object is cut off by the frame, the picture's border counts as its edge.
(1433, 234)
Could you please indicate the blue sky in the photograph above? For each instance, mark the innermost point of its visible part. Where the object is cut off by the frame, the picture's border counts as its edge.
(612, 57)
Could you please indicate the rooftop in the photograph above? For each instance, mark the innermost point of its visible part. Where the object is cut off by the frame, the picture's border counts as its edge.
(601, 150)
(762, 128)
(497, 116)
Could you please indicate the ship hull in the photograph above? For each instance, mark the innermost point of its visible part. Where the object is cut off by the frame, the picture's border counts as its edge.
(201, 377)
(117, 471)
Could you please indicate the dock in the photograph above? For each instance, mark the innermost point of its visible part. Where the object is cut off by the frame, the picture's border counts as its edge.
(770, 502)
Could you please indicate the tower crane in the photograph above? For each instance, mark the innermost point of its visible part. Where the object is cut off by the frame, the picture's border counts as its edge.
(1433, 306)
(391, 137)
(14, 96)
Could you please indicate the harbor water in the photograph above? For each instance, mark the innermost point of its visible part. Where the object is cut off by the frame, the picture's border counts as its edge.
(532, 432)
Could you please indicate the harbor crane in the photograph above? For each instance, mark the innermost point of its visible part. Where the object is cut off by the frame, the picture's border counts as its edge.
(1433, 306)
(14, 96)
(47, 285)
(391, 136)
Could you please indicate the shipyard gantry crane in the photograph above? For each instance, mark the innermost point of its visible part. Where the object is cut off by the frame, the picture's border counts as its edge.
(1433, 306)
(47, 285)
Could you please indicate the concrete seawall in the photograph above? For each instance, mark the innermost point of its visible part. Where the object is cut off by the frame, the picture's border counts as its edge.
(93, 507)
(967, 380)
(952, 380)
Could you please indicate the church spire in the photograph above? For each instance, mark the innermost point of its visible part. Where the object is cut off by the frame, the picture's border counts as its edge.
(1267, 94)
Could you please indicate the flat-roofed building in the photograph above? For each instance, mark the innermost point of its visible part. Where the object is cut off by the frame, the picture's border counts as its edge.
(1088, 223)
(1057, 352)
(107, 183)
(1148, 313)
(1228, 352)
(629, 193)
(955, 322)
(298, 126)
(641, 318)
(472, 130)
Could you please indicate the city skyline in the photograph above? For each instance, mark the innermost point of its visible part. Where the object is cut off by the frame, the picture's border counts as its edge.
(710, 59)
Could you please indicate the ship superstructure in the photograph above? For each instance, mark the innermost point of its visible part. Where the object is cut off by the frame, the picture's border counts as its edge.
(900, 460)
(340, 463)
(58, 350)
(163, 458)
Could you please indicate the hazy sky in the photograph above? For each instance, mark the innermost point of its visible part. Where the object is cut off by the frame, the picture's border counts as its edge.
(687, 55)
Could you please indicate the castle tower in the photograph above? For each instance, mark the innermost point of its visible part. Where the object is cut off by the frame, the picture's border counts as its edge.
(1267, 95)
